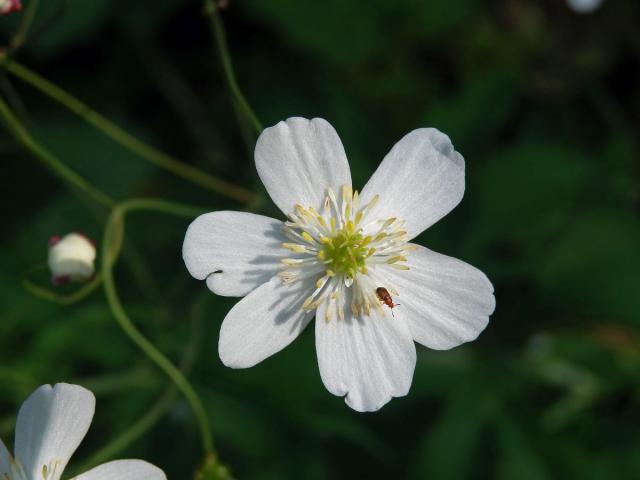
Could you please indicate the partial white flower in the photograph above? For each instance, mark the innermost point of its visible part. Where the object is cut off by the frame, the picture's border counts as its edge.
(584, 6)
(10, 6)
(51, 424)
(332, 254)
(71, 258)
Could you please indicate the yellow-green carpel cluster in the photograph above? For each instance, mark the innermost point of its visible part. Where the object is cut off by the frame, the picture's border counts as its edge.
(347, 251)
(338, 248)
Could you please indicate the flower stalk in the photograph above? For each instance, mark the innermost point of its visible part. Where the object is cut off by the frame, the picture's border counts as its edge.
(55, 297)
(125, 139)
(54, 164)
(111, 245)
(220, 41)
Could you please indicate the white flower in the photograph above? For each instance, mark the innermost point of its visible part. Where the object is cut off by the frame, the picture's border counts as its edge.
(71, 258)
(51, 424)
(332, 254)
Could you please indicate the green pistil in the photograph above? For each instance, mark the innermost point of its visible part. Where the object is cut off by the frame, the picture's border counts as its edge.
(346, 252)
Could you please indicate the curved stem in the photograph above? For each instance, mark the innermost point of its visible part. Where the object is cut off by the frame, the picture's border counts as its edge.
(161, 406)
(50, 295)
(21, 34)
(50, 160)
(220, 40)
(125, 139)
(112, 242)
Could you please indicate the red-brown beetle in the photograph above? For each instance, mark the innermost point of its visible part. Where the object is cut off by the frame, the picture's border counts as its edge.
(385, 297)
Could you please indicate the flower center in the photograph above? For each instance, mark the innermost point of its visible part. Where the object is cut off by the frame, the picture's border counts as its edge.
(347, 251)
(341, 248)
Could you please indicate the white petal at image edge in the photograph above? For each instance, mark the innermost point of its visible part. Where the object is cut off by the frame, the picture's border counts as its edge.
(264, 322)
(370, 359)
(420, 180)
(123, 470)
(245, 247)
(443, 300)
(51, 424)
(298, 159)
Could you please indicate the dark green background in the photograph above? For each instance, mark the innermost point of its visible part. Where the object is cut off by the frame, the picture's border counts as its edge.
(544, 105)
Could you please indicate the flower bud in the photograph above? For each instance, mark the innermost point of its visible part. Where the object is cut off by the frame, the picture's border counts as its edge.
(10, 6)
(71, 258)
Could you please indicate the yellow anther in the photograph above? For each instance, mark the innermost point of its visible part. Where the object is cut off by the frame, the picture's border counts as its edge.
(359, 216)
(399, 267)
(294, 247)
(388, 222)
(321, 281)
(332, 195)
(307, 303)
(396, 259)
(330, 273)
(307, 237)
(291, 261)
(347, 192)
(380, 236)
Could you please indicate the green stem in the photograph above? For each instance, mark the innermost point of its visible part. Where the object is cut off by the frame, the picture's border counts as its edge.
(125, 139)
(27, 19)
(220, 40)
(55, 297)
(50, 160)
(133, 433)
(158, 410)
(112, 242)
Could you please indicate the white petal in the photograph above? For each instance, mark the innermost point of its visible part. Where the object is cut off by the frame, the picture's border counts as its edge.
(445, 301)
(123, 470)
(51, 424)
(235, 251)
(5, 460)
(370, 359)
(420, 180)
(298, 159)
(264, 322)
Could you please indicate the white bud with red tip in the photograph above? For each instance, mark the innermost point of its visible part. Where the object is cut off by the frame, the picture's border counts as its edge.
(10, 6)
(71, 258)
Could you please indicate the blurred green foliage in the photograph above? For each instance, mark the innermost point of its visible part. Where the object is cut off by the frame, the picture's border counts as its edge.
(542, 102)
